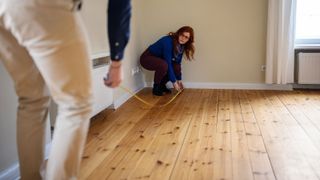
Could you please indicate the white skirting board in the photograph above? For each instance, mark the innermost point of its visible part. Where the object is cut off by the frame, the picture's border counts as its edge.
(13, 172)
(306, 86)
(253, 86)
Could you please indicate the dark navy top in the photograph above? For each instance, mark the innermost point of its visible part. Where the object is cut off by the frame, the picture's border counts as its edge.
(163, 49)
(119, 14)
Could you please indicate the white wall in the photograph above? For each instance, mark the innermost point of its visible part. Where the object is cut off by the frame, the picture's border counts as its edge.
(93, 14)
(230, 36)
(8, 106)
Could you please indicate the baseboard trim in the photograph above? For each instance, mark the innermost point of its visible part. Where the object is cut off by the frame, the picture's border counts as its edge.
(249, 86)
(121, 100)
(306, 86)
(13, 172)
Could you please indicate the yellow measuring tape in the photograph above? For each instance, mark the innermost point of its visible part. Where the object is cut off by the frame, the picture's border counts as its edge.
(149, 104)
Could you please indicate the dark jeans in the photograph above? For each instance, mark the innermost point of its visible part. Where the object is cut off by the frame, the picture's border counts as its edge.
(160, 66)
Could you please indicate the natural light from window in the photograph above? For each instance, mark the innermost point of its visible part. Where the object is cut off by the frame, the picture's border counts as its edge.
(308, 22)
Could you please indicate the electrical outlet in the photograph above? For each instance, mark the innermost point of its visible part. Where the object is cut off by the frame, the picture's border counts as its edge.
(138, 69)
(135, 70)
(263, 68)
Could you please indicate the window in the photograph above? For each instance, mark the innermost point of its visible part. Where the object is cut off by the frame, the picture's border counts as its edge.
(308, 22)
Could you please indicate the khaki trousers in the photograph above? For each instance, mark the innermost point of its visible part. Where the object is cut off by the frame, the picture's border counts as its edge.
(43, 46)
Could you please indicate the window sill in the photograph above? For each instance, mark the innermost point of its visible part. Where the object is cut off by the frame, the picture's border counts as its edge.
(307, 46)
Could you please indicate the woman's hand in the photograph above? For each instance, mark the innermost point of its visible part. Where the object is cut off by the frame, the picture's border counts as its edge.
(176, 86)
(114, 76)
(180, 85)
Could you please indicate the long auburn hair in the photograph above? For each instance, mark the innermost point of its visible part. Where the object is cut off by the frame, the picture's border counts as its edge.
(188, 47)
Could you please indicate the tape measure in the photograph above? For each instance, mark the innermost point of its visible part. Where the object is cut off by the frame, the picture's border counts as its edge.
(147, 103)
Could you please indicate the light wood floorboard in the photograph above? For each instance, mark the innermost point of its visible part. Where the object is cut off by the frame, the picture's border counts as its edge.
(208, 134)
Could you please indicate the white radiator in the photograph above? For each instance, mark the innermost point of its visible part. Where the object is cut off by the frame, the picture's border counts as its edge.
(309, 68)
(102, 95)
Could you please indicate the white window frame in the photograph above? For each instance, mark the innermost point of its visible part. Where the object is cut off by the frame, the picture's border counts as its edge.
(304, 42)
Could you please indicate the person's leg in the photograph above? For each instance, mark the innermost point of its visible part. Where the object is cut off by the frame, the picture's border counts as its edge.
(153, 63)
(177, 70)
(158, 65)
(54, 38)
(33, 104)
(165, 79)
(163, 83)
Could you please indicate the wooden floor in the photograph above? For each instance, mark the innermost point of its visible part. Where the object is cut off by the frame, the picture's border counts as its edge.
(208, 134)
